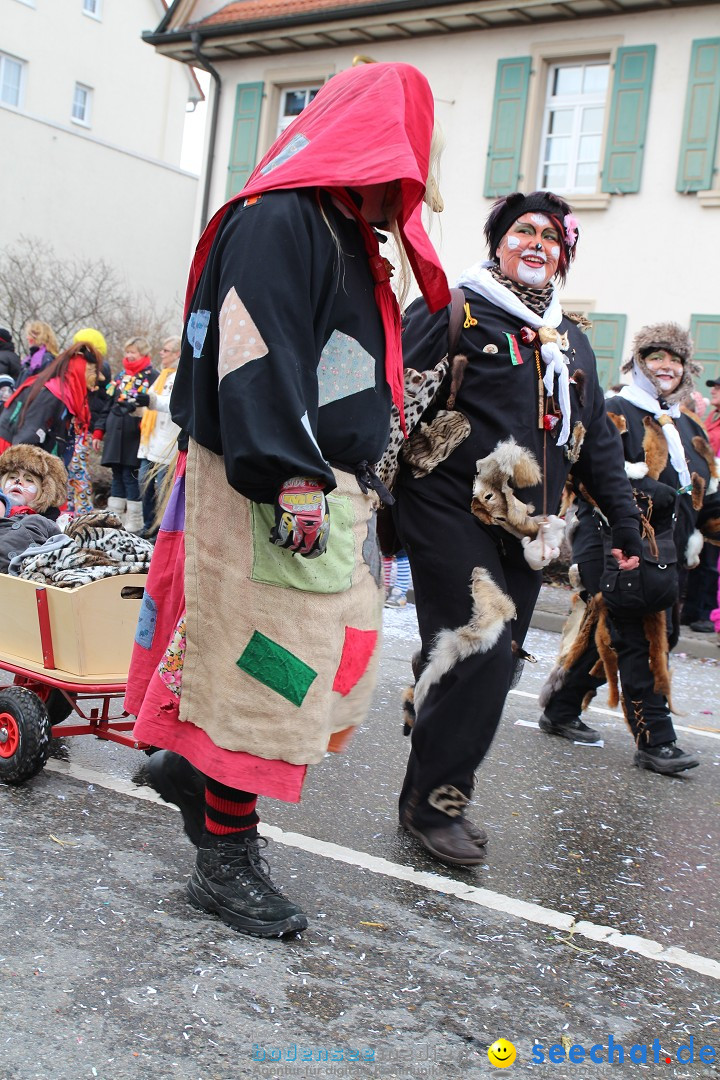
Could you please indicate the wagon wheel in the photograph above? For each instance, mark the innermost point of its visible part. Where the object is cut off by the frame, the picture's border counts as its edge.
(57, 705)
(24, 735)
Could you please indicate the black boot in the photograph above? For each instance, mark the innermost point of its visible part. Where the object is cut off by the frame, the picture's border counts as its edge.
(180, 783)
(574, 729)
(667, 759)
(230, 879)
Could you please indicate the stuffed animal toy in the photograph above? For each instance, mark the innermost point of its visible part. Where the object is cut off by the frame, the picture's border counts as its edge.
(546, 545)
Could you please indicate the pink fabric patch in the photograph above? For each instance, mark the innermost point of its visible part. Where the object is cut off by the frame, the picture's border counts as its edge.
(358, 648)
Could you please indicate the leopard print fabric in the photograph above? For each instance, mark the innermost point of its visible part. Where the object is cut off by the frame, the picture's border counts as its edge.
(421, 388)
(91, 549)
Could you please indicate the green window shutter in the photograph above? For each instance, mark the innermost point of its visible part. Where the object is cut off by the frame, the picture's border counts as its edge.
(702, 116)
(705, 332)
(243, 145)
(607, 337)
(502, 172)
(628, 119)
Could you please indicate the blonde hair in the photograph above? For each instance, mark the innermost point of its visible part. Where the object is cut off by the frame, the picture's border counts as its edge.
(173, 343)
(43, 334)
(140, 343)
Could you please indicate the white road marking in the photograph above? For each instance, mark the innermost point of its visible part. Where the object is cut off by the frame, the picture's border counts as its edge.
(472, 894)
(619, 716)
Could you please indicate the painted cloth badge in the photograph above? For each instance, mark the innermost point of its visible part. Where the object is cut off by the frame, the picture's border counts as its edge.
(514, 350)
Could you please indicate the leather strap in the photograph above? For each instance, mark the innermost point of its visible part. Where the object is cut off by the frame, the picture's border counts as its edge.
(457, 305)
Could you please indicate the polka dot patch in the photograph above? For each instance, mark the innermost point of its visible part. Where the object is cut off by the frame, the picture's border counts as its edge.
(240, 339)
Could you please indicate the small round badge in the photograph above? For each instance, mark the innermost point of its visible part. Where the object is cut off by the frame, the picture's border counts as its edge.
(490, 348)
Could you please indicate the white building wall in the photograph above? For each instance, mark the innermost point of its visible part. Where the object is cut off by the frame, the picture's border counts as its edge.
(643, 255)
(112, 189)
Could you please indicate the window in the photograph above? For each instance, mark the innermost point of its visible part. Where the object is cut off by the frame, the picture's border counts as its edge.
(572, 132)
(81, 104)
(292, 102)
(92, 7)
(12, 80)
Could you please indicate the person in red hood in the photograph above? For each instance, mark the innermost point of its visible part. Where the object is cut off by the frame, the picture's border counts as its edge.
(48, 407)
(291, 362)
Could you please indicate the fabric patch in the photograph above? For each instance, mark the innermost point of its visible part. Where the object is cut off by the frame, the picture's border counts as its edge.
(240, 339)
(371, 550)
(297, 143)
(197, 328)
(147, 620)
(273, 666)
(514, 350)
(345, 368)
(170, 668)
(329, 573)
(358, 647)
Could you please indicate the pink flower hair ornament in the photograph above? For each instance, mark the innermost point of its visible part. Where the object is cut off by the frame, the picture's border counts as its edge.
(572, 225)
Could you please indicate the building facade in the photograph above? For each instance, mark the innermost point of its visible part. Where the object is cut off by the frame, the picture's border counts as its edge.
(91, 124)
(613, 103)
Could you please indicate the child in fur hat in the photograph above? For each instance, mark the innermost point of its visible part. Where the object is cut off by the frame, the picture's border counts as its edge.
(32, 484)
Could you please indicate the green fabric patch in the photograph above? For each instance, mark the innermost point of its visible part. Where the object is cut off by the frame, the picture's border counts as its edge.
(330, 573)
(273, 666)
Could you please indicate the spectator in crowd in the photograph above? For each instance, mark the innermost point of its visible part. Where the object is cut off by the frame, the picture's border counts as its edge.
(49, 406)
(7, 388)
(671, 466)
(396, 576)
(9, 359)
(702, 582)
(528, 410)
(712, 420)
(119, 431)
(291, 361)
(97, 373)
(42, 349)
(158, 434)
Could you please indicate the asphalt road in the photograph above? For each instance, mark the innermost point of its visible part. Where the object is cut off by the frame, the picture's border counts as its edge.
(593, 922)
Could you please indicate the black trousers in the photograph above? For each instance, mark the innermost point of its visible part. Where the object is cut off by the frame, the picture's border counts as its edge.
(459, 717)
(647, 711)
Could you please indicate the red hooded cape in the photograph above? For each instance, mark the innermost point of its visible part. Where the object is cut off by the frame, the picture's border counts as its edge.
(370, 124)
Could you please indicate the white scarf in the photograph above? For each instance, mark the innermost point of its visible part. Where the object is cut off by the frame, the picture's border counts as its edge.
(481, 281)
(642, 393)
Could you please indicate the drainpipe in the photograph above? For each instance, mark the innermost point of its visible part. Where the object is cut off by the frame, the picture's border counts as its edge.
(205, 64)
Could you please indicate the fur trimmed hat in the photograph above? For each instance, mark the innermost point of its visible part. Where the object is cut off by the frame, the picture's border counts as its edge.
(674, 339)
(48, 469)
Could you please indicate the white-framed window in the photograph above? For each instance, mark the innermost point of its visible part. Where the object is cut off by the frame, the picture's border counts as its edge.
(82, 100)
(92, 8)
(573, 123)
(12, 80)
(293, 100)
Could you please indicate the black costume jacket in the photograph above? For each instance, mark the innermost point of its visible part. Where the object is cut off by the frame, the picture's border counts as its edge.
(312, 393)
(503, 400)
(659, 497)
(46, 421)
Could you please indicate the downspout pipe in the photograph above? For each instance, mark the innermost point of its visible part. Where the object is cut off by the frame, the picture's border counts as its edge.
(204, 63)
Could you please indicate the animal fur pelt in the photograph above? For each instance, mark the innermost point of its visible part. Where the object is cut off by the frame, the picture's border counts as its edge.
(607, 663)
(618, 420)
(574, 641)
(655, 447)
(697, 491)
(693, 549)
(704, 449)
(494, 501)
(448, 800)
(85, 553)
(655, 629)
(577, 379)
(421, 388)
(575, 442)
(432, 443)
(408, 709)
(49, 470)
(492, 608)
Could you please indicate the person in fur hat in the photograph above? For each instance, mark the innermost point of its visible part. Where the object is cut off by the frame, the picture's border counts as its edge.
(533, 410)
(33, 484)
(674, 476)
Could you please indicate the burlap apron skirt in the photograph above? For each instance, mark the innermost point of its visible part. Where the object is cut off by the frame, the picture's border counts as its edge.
(277, 653)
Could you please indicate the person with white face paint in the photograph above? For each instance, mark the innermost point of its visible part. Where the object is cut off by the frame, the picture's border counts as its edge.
(524, 409)
(675, 478)
(33, 484)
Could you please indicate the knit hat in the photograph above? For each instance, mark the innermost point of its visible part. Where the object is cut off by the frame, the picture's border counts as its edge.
(91, 337)
(674, 339)
(5, 337)
(7, 380)
(49, 470)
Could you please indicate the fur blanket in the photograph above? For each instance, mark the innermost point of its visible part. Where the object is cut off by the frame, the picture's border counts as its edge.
(93, 546)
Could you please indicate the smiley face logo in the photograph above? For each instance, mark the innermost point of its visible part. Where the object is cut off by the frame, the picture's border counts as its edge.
(501, 1054)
